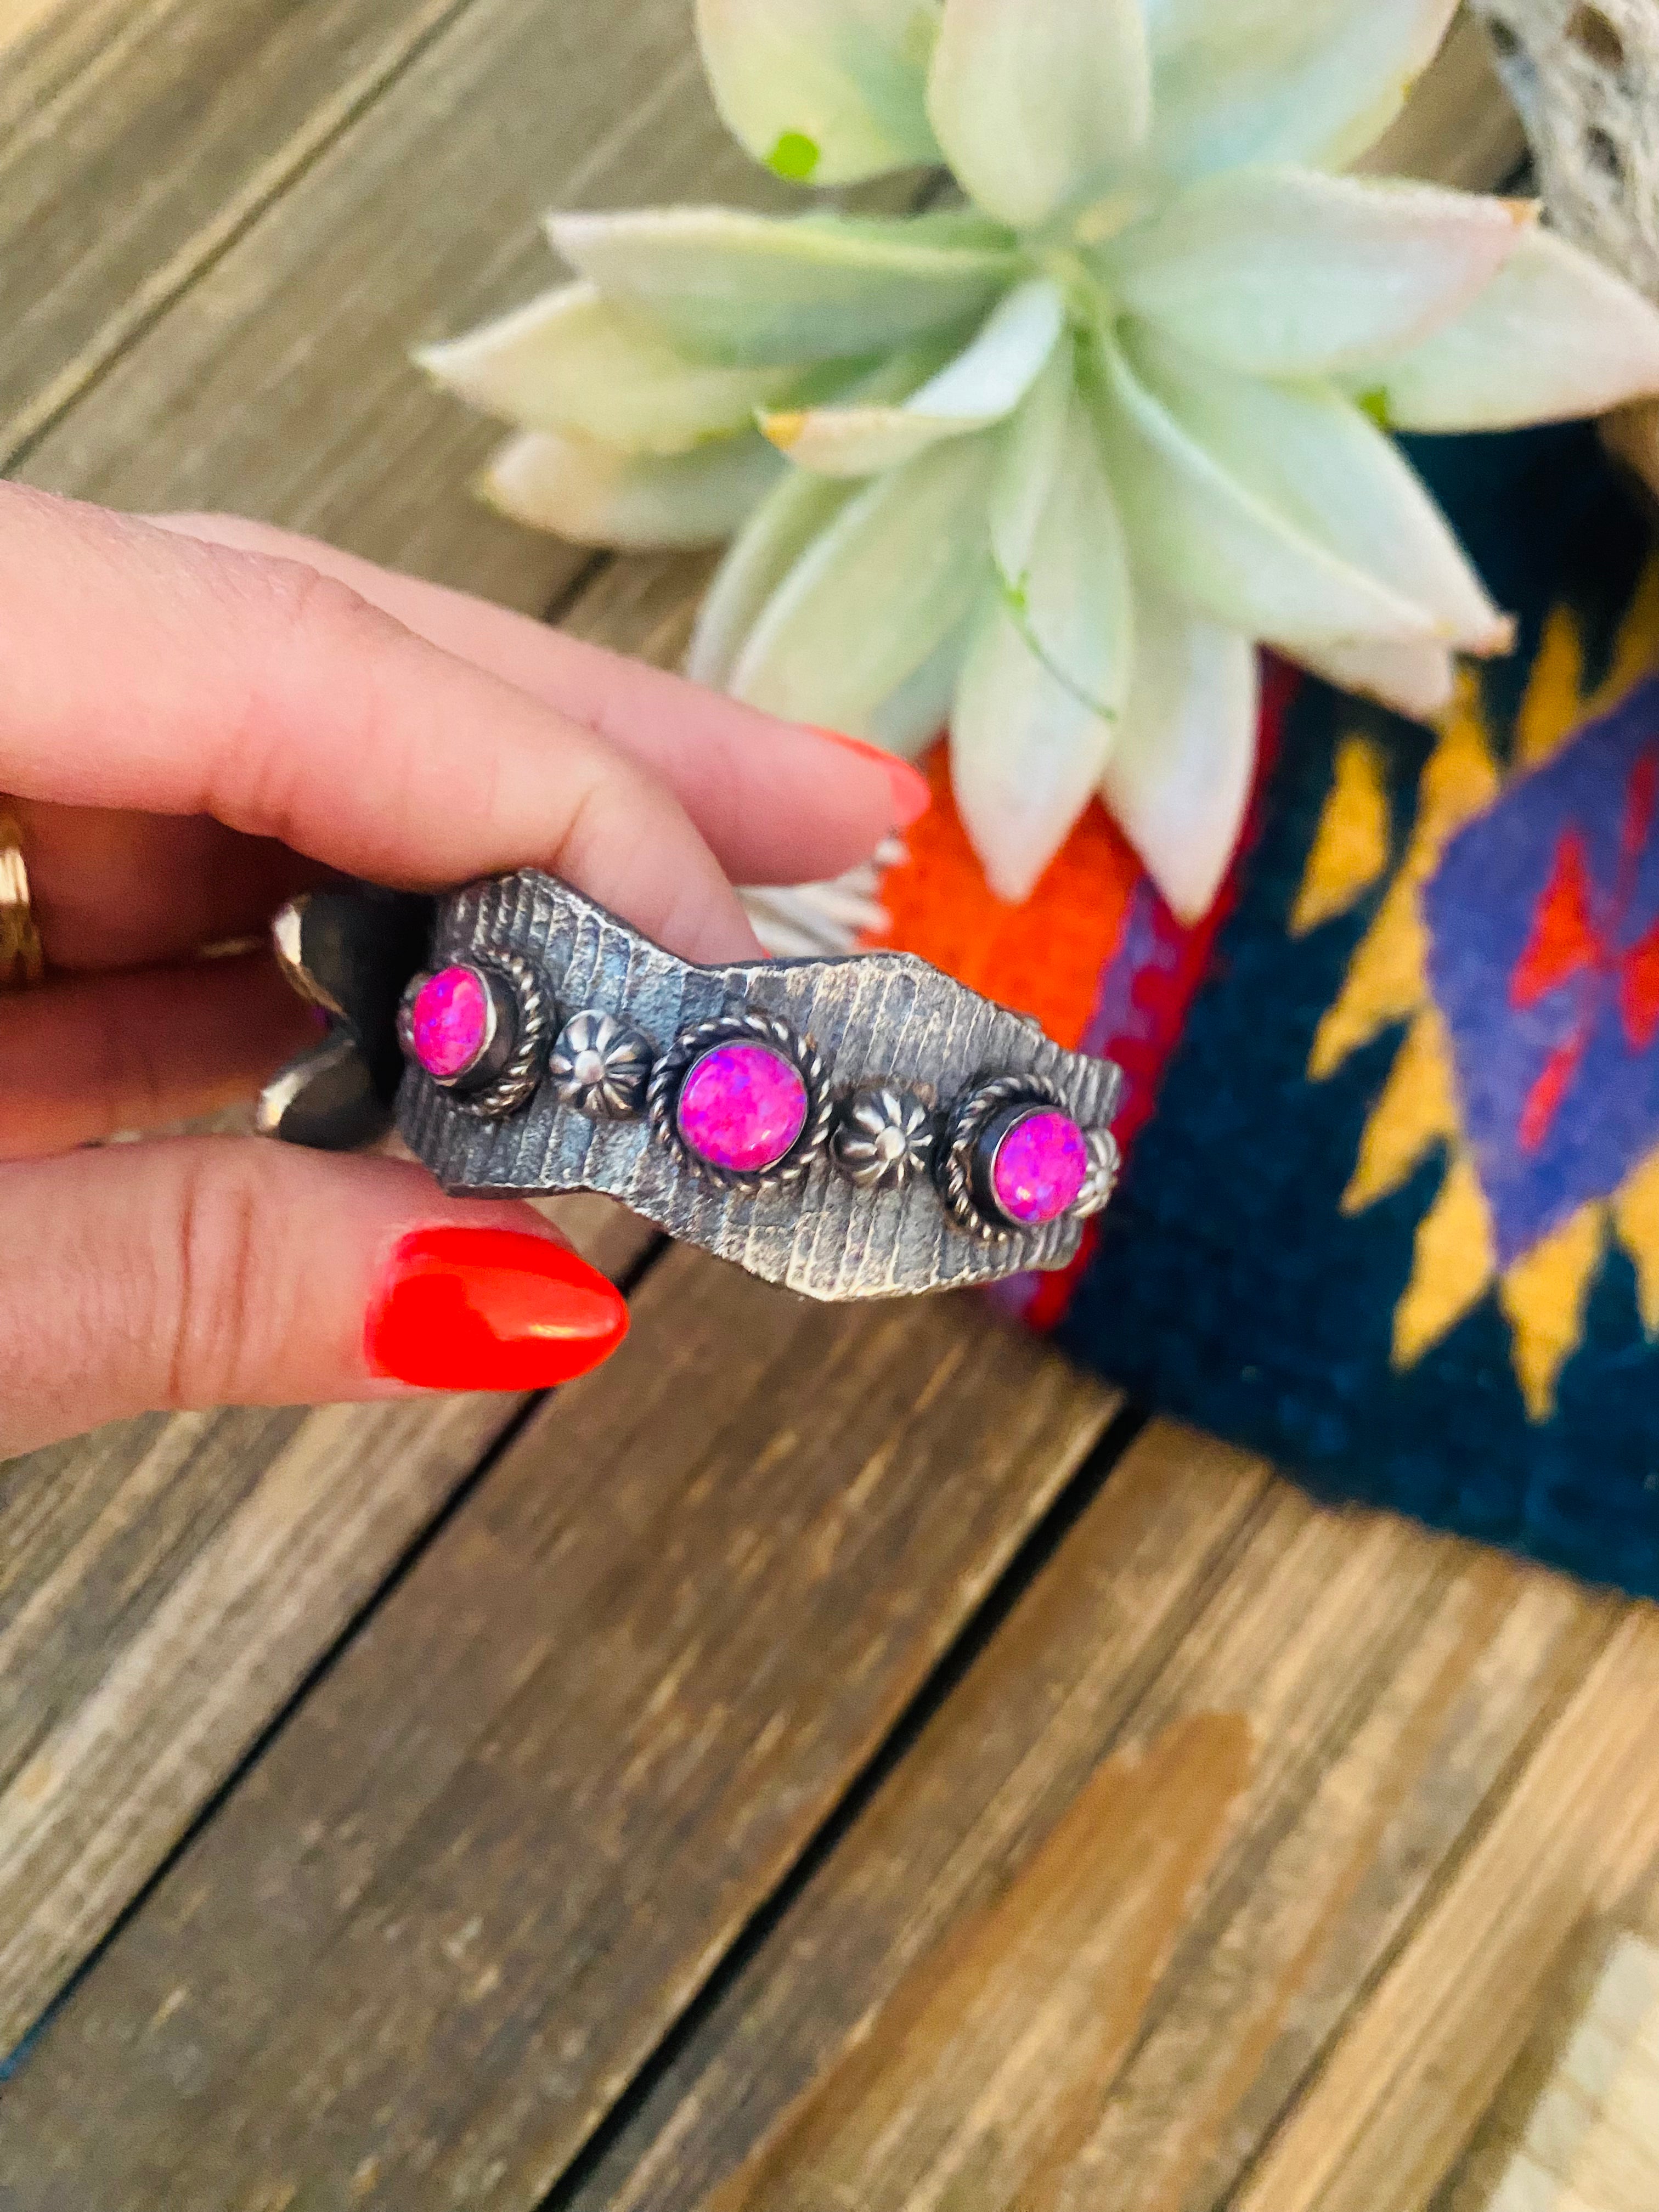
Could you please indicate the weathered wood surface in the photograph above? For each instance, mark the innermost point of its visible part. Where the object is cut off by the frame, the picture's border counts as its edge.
(1128, 1896)
(1577, 2127)
(466, 1890)
(278, 380)
(164, 1586)
(1239, 1866)
(152, 145)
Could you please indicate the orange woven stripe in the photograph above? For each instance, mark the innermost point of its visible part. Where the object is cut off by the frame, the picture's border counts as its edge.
(1046, 957)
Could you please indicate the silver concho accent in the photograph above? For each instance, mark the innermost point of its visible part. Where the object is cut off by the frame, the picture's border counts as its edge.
(600, 1066)
(663, 1098)
(507, 1073)
(882, 1138)
(1105, 1166)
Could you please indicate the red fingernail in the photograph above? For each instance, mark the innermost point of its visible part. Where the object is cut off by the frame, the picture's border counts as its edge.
(460, 1308)
(912, 796)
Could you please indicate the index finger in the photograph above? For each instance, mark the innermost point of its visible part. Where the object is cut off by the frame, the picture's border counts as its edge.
(143, 670)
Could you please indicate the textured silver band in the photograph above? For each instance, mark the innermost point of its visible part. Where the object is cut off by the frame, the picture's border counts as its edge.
(882, 1041)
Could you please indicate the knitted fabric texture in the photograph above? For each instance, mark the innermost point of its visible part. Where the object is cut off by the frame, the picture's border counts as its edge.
(1391, 1210)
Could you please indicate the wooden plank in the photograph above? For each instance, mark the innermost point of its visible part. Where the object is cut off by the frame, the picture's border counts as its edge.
(18, 17)
(426, 1943)
(165, 1586)
(1459, 127)
(1587, 2139)
(1243, 1736)
(102, 1537)
(137, 137)
(1388, 2122)
(279, 383)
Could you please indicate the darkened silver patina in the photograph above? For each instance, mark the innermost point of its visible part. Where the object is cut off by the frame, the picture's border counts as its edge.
(880, 1040)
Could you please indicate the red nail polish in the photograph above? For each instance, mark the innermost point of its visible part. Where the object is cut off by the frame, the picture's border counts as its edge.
(912, 795)
(463, 1309)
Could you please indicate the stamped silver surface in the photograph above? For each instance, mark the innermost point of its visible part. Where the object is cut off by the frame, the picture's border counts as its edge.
(880, 1021)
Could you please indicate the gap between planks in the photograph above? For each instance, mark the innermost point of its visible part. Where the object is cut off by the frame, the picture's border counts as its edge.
(568, 1758)
(1117, 1919)
(168, 1584)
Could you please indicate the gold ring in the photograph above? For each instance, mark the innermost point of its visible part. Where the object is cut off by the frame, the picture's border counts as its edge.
(22, 960)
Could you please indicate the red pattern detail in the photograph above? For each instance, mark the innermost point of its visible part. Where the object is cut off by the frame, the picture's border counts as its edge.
(1563, 940)
(1575, 943)
(1162, 991)
(1543, 1101)
(1638, 991)
(1164, 988)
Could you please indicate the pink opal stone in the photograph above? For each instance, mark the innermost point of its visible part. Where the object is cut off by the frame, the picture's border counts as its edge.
(1040, 1167)
(741, 1107)
(449, 1023)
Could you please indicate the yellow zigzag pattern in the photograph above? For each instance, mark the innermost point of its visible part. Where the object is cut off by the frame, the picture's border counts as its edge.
(1544, 1296)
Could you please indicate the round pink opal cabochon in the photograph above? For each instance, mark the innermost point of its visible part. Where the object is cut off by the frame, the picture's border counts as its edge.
(450, 1022)
(1040, 1167)
(743, 1107)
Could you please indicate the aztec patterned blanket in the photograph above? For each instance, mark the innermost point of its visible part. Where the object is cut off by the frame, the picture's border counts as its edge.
(1391, 1213)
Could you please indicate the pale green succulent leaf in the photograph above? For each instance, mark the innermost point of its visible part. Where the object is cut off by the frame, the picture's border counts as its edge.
(1310, 454)
(1034, 101)
(982, 385)
(1290, 272)
(1415, 680)
(597, 495)
(1237, 82)
(781, 527)
(1032, 446)
(875, 593)
(909, 720)
(568, 362)
(762, 554)
(1058, 547)
(1554, 335)
(1050, 666)
(749, 289)
(1026, 753)
(1178, 779)
(822, 92)
(1209, 537)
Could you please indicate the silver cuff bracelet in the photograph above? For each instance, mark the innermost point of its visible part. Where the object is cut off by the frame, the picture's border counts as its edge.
(854, 1128)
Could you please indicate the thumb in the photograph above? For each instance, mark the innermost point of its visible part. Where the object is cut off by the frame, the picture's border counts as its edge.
(216, 1271)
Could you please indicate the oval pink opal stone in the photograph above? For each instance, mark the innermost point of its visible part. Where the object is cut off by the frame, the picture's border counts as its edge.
(449, 1021)
(742, 1106)
(1041, 1167)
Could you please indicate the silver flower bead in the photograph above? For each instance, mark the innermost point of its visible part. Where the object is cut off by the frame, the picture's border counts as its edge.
(1105, 1161)
(600, 1067)
(883, 1139)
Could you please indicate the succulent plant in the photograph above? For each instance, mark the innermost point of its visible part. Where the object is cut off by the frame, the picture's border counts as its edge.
(1049, 463)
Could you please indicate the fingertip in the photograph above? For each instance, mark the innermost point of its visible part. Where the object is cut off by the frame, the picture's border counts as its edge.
(457, 1307)
(908, 790)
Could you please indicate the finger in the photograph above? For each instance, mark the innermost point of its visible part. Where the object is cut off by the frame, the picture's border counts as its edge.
(112, 889)
(223, 1271)
(778, 802)
(85, 1059)
(280, 702)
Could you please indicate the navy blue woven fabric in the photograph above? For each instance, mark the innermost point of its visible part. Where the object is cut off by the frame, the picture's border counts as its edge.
(1395, 1221)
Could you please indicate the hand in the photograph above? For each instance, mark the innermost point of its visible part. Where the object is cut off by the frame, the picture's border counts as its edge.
(198, 718)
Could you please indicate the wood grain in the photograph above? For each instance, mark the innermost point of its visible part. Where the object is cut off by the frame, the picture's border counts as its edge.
(138, 139)
(469, 1885)
(280, 382)
(1391, 1684)
(165, 1586)
(1584, 2136)
(18, 17)
(1458, 127)
(1394, 2107)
